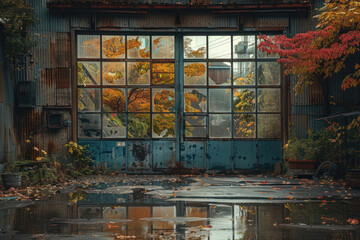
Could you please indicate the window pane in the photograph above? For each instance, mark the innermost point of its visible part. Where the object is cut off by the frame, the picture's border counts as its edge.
(195, 73)
(88, 46)
(113, 73)
(219, 47)
(268, 100)
(139, 126)
(163, 100)
(269, 126)
(219, 73)
(220, 125)
(162, 47)
(88, 73)
(114, 100)
(139, 100)
(220, 100)
(89, 100)
(164, 125)
(244, 73)
(138, 73)
(244, 100)
(195, 100)
(138, 47)
(114, 125)
(268, 73)
(244, 46)
(163, 73)
(195, 47)
(195, 126)
(244, 126)
(261, 54)
(113, 46)
(89, 125)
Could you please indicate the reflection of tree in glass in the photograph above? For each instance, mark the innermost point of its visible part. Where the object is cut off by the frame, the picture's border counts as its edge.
(268, 100)
(113, 73)
(139, 125)
(269, 73)
(113, 47)
(139, 100)
(194, 69)
(134, 43)
(137, 73)
(91, 47)
(114, 125)
(163, 73)
(164, 101)
(244, 125)
(190, 53)
(164, 125)
(244, 100)
(113, 100)
(195, 101)
(88, 73)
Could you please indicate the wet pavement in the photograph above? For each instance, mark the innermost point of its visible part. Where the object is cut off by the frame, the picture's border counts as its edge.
(188, 207)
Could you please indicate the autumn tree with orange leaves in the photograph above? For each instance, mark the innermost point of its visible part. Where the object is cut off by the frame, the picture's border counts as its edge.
(317, 56)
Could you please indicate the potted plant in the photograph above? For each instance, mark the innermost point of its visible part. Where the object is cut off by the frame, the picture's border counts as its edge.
(301, 153)
(11, 178)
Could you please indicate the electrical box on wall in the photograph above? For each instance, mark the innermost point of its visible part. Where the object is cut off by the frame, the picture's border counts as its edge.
(54, 120)
(26, 94)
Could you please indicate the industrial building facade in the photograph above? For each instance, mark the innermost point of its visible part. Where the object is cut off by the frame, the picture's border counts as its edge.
(156, 86)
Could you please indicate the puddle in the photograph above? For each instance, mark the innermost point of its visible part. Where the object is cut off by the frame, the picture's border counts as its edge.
(187, 209)
(122, 216)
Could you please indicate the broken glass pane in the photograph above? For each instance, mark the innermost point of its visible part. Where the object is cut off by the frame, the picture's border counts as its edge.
(195, 73)
(113, 46)
(219, 73)
(268, 100)
(114, 125)
(113, 73)
(114, 100)
(138, 47)
(220, 125)
(195, 47)
(139, 126)
(139, 100)
(244, 126)
(89, 100)
(219, 47)
(268, 73)
(195, 100)
(88, 46)
(163, 73)
(269, 126)
(244, 100)
(261, 54)
(138, 73)
(195, 126)
(244, 73)
(163, 100)
(244, 46)
(162, 47)
(163, 125)
(88, 73)
(220, 100)
(89, 125)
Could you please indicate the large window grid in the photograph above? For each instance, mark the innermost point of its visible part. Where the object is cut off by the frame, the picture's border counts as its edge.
(126, 86)
(211, 101)
(244, 109)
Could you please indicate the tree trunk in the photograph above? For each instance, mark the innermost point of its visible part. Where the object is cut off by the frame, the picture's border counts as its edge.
(325, 94)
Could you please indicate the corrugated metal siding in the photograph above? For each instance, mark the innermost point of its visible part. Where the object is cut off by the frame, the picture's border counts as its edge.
(53, 21)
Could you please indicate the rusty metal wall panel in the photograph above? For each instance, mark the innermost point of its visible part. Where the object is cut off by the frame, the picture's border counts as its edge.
(266, 22)
(104, 22)
(208, 20)
(63, 89)
(49, 21)
(80, 21)
(152, 21)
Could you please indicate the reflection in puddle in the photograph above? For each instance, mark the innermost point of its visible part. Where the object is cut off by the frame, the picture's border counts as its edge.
(104, 216)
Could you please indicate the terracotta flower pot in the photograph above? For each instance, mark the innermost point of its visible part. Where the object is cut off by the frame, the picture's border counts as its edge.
(302, 164)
